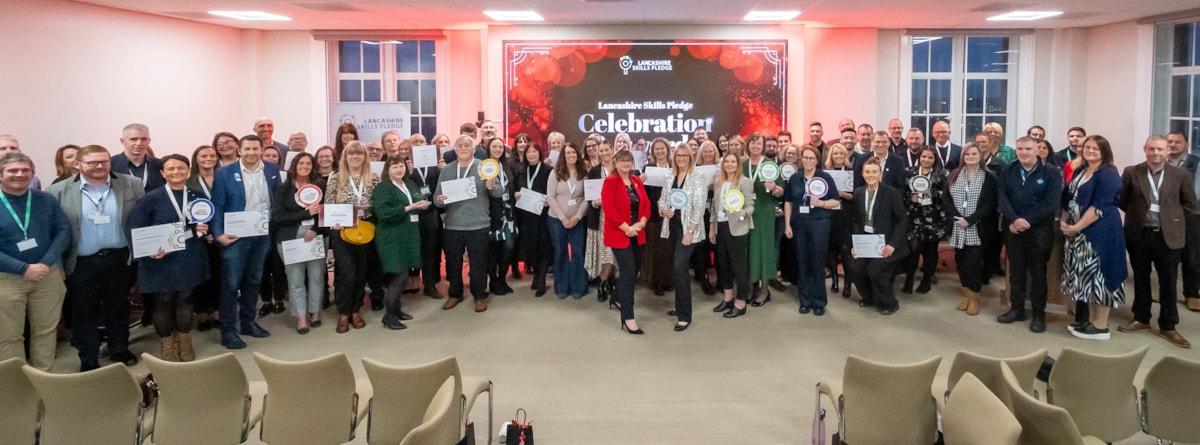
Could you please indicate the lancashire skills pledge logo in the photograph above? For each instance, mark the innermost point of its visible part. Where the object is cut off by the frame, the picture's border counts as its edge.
(627, 64)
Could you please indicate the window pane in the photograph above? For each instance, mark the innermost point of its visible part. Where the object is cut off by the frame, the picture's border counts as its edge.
(428, 97)
(940, 55)
(974, 126)
(1196, 96)
(939, 96)
(371, 91)
(921, 122)
(974, 96)
(414, 124)
(406, 56)
(1179, 95)
(429, 127)
(1182, 47)
(1195, 136)
(920, 96)
(1179, 126)
(407, 91)
(920, 55)
(350, 90)
(370, 58)
(428, 57)
(997, 96)
(349, 56)
(987, 54)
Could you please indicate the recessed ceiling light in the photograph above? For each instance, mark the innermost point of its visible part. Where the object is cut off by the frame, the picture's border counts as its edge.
(251, 15)
(1024, 15)
(514, 16)
(776, 16)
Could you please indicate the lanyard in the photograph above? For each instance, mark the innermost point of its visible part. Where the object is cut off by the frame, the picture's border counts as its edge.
(529, 178)
(404, 190)
(942, 158)
(204, 186)
(145, 170)
(458, 168)
(357, 189)
(99, 203)
(908, 154)
(175, 204)
(424, 171)
(28, 205)
(1154, 186)
(754, 170)
(1025, 173)
(871, 197)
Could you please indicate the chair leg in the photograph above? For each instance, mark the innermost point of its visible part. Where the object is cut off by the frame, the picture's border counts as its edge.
(491, 430)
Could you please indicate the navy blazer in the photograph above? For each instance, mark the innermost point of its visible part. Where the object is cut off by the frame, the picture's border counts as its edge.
(951, 159)
(889, 218)
(177, 271)
(229, 194)
(894, 171)
(153, 176)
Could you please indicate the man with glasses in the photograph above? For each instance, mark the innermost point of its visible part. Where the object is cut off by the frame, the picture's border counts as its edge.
(298, 142)
(948, 153)
(135, 160)
(896, 142)
(10, 144)
(97, 203)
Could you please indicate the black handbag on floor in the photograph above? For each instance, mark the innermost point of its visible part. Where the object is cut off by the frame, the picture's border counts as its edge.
(519, 433)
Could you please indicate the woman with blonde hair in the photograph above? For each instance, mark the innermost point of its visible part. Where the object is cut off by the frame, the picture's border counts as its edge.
(702, 255)
(352, 183)
(838, 158)
(64, 162)
(728, 229)
(657, 267)
(683, 227)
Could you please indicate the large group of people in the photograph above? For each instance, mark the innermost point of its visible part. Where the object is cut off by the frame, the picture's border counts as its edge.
(761, 210)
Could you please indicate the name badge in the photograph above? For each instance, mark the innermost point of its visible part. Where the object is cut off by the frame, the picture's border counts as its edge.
(425, 190)
(804, 209)
(869, 229)
(572, 202)
(26, 245)
(414, 218)
(504, 197)
(926, 201)
(1154, 208)
(307, 222)
(101, 219)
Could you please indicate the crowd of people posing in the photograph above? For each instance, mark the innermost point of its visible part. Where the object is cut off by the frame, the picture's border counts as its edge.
(253, 217)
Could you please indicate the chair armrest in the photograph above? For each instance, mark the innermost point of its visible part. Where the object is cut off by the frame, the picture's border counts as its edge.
(941, 395)
(832, 390)
(1092, 440)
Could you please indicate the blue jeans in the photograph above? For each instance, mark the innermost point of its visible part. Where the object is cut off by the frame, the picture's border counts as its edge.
(811, 238)
(569, 275)
(241, 270)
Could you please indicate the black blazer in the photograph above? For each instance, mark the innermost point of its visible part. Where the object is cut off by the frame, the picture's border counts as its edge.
(894, 171)
(951, 159)
(889, 218)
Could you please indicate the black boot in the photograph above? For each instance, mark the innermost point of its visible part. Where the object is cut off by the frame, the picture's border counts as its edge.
(391, 319)
(1014, 314)
(602, 290)
(834, 287)
(1038, 325)
(908, 283)
(926, 281)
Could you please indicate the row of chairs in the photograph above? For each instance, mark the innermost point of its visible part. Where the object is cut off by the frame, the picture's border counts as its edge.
(210, 401)
(1090, 399)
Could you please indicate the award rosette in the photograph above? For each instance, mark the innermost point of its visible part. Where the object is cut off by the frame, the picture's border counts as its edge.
(920, 184)
(817, 187)
(733, 200)
(787, 170)
(768, 171)
(489, 168)
(201, 211)
(308, 195)
(678, 199)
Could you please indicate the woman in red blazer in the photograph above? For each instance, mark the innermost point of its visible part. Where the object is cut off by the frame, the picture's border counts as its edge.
(626, 210)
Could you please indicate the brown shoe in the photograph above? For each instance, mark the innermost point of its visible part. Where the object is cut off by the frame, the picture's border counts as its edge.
(343, 324)
(1135, 326)
(451, 303)
(481, 305)
(1193, 304)
(357, 321)
(1175, 339)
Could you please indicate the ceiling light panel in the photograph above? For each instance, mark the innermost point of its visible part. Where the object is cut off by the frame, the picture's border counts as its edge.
(770, 16)
(251, 16)
(514, 16)
(1024, 16)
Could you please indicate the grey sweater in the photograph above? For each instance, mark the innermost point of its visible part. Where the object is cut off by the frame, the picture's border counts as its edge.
(470, 214)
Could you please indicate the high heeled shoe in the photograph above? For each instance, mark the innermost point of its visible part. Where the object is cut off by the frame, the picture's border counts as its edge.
(625, 327)
(723, 306)
(734, 312)
(602, 294)
(834, 287)
(760, 303)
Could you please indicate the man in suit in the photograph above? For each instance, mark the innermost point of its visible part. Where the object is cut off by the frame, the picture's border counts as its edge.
(245, 186)
(948, 153)
(866, 137)
(136, 160)
(1028, 200)
(893, 164)
(1156, 197)
(97, 203)
(879, 210)
(1036, 132)
(849, 140)
(1075, 137)
(1179, 157)
(265, 129)
(916, 142)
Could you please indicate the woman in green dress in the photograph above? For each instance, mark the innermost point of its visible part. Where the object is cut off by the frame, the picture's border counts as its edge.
(764, 252)
(396, 204)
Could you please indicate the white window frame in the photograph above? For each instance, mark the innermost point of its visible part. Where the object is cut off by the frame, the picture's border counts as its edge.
(388, 76)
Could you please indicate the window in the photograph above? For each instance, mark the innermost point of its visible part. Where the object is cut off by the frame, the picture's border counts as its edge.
(391, 71)
(1177, 80)
(966, 80)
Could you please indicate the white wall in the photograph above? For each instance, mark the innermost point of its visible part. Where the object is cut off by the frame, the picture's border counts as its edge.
(1118, 87)
(77, 73)
(841, 68)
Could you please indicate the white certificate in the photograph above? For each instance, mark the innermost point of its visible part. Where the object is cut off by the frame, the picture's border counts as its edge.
(843, 179)
(447, 149)
(459, 189)
(657, 176)
(425, 156)
(338, 215)
(708, 171)
(531, 201)
(639, 158)
(377, 168)
(591, 189)
(287, 160)
(869, 246)
(168, 237)
(299, 251)
(245, 224)
(553, 157)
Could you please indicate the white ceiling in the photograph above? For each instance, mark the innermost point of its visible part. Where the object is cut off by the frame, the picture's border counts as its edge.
(459, 14)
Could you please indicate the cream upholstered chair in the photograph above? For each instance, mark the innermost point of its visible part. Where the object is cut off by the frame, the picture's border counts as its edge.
(469, 389)
(18, 405)
(308, 402)
(201, 402)
(99, 406)
(1098, 391)
(472, 388)
(440, 422)
(884, 403)
(987, 370)
(401, 396)
(1042, 423)
(975, 416)
(1169, 399)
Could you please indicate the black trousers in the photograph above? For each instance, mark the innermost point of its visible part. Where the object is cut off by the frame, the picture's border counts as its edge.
(1145, 250)
(375, 276)
(627, 265)
(969, 262)
(100, 285)
(475, 244)
(1028, 253)
(500, 256)
(350, 274)
(702, 256)
(732, 261)
(924, 253)
(993, 245)
(207, 296)
(679, 271)
(1191, 258)
(431, 247)
(172, 312)
(874, 281)
(273, 287)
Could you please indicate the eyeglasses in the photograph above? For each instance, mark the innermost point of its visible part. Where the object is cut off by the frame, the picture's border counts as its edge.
(94, 164)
